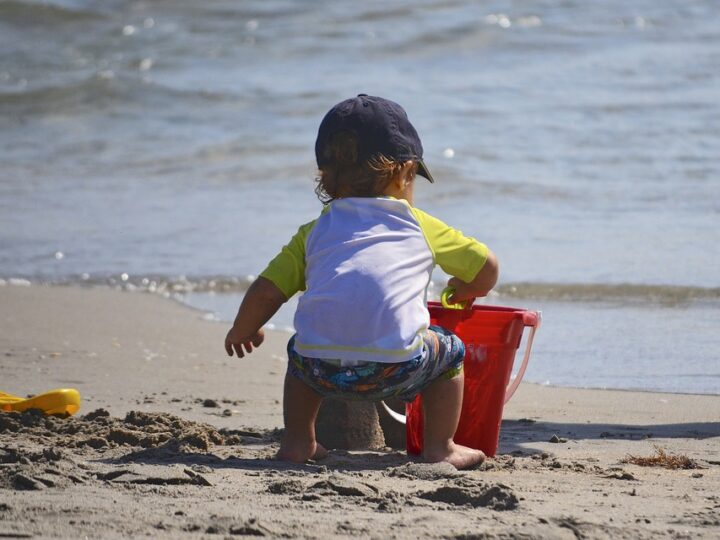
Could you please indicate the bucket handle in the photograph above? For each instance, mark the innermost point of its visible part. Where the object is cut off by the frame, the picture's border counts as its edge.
(531, 319)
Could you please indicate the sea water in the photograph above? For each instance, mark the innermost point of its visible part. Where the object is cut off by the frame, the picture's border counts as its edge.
(168, 146)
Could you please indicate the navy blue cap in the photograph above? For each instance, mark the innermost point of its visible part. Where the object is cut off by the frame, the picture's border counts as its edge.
(381, 127)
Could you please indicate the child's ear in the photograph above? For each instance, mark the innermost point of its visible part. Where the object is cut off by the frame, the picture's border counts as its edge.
(400, 178)
(407, 173)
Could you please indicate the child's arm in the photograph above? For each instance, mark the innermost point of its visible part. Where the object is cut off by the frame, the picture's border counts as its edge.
(473, 265)
(481, 285)
(261, 301)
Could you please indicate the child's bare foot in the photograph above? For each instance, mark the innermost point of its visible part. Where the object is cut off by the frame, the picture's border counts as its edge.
(300, 453)
(461, 457)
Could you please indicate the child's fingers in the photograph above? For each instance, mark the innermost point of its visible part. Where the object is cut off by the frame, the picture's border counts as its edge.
(241, 348)
(461, 292)
(457, 286)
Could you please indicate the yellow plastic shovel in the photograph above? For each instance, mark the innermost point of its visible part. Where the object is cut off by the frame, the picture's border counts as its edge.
(62, 401)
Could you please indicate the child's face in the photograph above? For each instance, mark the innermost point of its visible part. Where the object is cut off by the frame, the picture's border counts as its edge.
(402, 186)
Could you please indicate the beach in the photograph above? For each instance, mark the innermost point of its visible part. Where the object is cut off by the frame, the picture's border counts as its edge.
(175, 439)
(156, 156)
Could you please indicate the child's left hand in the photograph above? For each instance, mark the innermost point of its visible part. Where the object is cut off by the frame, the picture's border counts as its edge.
(235, 341)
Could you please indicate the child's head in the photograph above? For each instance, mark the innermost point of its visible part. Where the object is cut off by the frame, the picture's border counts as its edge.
(363, 144)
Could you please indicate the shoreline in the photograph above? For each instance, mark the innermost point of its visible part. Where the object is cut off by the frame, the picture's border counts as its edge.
(209, 316)
(183, 445)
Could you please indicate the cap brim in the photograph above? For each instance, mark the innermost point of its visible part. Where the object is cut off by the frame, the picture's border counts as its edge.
(423, 171)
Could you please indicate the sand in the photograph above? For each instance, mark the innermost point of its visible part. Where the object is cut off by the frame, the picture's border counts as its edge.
(175, 439)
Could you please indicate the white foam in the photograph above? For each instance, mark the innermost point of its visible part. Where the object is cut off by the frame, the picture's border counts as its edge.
(530, 21)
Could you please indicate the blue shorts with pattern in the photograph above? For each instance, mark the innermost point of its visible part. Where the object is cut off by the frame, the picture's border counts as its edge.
(441, 357)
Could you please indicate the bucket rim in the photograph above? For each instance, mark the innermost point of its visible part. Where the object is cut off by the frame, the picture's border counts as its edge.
(482, 307)
(528, 316)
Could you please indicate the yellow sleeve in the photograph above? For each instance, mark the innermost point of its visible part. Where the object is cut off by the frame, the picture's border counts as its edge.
(287, 269)
(458, 255)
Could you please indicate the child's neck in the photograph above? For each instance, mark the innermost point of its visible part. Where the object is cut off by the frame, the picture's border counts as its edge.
(400, 192)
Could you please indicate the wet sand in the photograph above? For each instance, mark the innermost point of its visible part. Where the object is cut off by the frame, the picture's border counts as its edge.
(175, 439)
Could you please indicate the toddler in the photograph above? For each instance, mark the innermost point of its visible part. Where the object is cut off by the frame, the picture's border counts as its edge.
(365, 263)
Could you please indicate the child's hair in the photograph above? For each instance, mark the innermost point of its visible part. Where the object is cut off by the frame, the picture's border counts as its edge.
(344, 176)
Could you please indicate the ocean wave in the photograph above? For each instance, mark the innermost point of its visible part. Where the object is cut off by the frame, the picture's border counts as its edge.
(100, 90)
(601, 292)
(43, 13)
(667, 295)
(166, 285)
(44, 99)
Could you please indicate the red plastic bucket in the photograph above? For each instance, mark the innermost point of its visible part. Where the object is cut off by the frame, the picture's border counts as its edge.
(492, 335)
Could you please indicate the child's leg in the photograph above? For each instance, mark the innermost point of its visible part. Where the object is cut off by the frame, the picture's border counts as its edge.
(300, 408)
(442, 401)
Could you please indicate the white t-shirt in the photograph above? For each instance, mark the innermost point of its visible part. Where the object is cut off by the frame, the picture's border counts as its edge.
(365, 265)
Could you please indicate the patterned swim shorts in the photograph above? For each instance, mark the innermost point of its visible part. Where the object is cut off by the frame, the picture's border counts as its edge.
(441, 357)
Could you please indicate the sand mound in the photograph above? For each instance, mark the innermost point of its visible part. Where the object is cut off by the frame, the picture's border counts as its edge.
(424, 471)
(50, 447)
(464, 491)
(98, 430)
(456, 490)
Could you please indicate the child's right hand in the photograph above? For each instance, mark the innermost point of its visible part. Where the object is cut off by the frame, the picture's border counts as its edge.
(481, 284)
(462, 292)
(237, 342)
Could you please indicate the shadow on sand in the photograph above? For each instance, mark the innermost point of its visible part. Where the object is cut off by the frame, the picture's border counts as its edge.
(514, 433)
